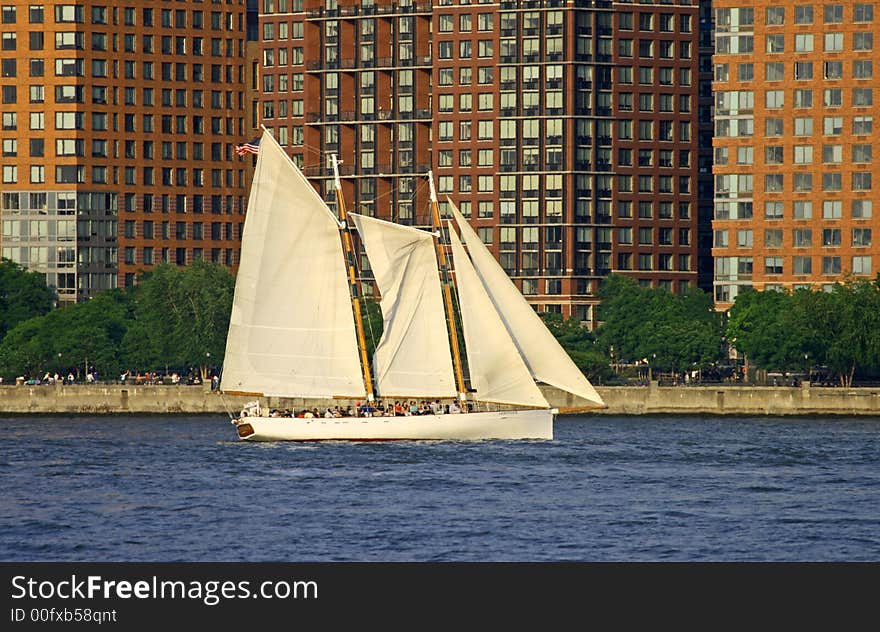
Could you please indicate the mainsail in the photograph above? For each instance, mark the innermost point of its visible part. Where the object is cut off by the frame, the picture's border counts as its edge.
(412, 358)
(498, 373)
(291, 332)
(547, 360)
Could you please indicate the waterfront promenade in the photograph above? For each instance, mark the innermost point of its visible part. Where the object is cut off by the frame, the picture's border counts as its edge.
(621, 400)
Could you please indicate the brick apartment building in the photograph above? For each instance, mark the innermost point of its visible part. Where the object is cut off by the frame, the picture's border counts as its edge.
(118, 127)
(576, 135)
(793, 149)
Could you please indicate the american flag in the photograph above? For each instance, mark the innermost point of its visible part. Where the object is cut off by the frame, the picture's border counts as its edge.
(248, 148)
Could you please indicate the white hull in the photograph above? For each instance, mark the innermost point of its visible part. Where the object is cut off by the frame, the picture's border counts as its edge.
(511, 424)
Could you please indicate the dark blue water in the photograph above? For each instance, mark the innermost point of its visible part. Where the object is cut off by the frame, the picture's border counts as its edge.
(607, 488)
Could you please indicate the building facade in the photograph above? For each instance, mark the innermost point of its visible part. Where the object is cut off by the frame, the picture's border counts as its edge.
(574, 135)
(119, 122)
(793, 150)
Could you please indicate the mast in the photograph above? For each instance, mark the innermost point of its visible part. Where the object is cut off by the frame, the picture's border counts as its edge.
(447, 292)
(353, 283)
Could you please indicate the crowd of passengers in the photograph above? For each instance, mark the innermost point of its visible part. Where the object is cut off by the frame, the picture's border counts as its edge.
(379, 409)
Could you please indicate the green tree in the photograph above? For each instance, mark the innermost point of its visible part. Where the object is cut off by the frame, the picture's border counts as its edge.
(674, 332)
(75, 337)
(762, 325)
(87, 335)
(23, 295)
(622, 317)
(839, 329)
(855, 345)
(371, 317)
(20, 352)
(580, 344)
(181, 317)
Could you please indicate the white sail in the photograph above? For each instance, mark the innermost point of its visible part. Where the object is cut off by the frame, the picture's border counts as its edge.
(291, 332)
(498, 373)
(412, 359)
(547, 360)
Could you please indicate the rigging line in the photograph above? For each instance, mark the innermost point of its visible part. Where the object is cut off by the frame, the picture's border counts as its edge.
(356, 256)
(363, 297)
(456, 302)
(228, 412)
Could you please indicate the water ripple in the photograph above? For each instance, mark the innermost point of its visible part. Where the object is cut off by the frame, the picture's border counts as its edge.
(164, 488)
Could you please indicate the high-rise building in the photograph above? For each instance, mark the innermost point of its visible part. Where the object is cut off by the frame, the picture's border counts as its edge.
(793, 151)
(119, 122)
(576, 136)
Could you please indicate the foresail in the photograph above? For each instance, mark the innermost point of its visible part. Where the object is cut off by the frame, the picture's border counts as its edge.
(291, 332)
(542, 353)
(498, 373)
(412, 358)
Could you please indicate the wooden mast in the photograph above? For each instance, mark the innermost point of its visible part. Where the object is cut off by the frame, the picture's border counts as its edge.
(447, 292)
(353, 283)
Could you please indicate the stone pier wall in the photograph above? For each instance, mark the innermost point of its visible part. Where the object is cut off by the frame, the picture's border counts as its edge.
(621, 400)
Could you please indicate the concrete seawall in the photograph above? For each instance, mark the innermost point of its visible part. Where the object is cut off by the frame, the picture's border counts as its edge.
(628, 400)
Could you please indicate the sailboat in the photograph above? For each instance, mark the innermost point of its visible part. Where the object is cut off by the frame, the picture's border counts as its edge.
(296, 330)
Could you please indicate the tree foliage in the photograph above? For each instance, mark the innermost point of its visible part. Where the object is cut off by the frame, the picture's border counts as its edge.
(580, 344)
(181, 317)
(23, 295)
(840, 329)
(174, 317)
(676, 332)
(74, 338)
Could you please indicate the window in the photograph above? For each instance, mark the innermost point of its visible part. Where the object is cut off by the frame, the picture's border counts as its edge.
(803, 70)
(803, 154)
(745, 72)
(861, 264)
(831, 181)
(775, 44)
(861, 237)
(833, 13)
(832, 125)
(773, 182)
(803, 182)
(861, 209)
(802, 265)
(803, 126)
(773, 126)
(833, 70)
(831, 265)
(863, 40)
(833, 42)
(862, 97)
(773, 210)
(803, 98)
(831, 209)
(802, 237)
(774, 71)
(832, 97)
(803, 42)
(803, 14)
(803, 210)
(863, 125)
(773, 154)
(863, 13)
(862, 152)
(773, 265)
(861, 181)
(863, 69)
(775, 16)
(774, 99)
